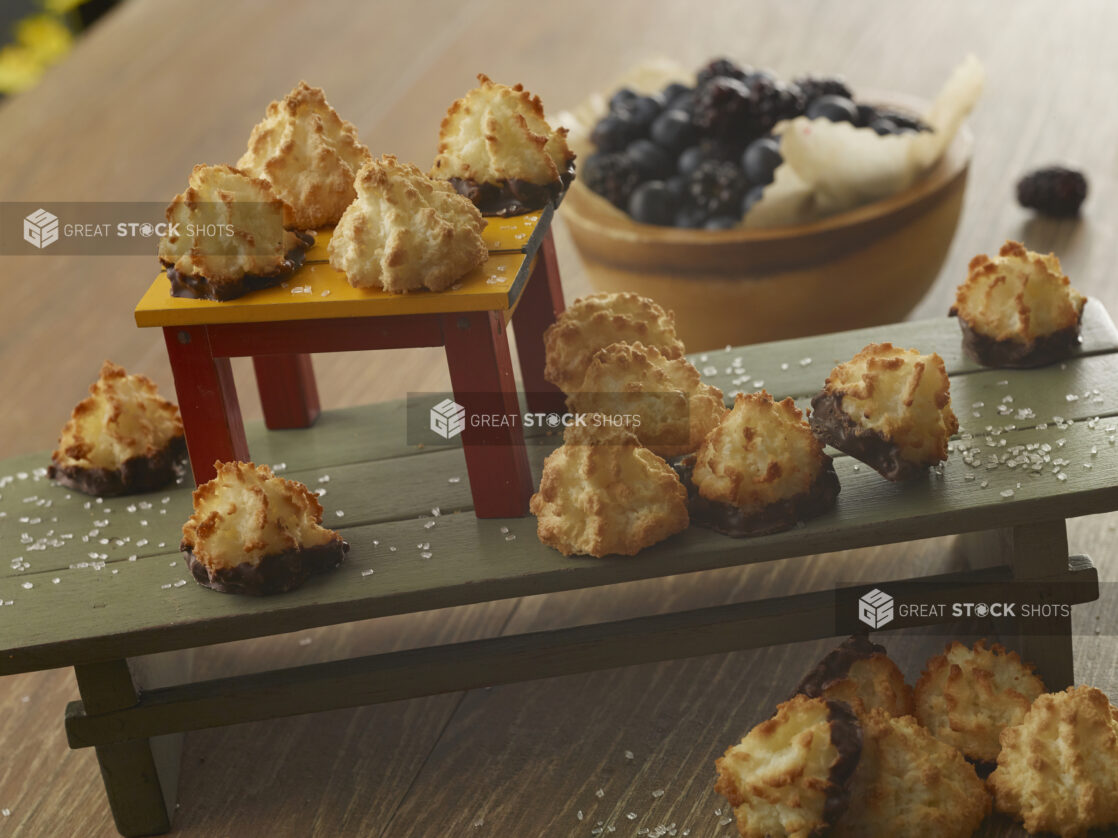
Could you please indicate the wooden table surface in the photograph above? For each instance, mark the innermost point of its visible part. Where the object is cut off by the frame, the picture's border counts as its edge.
(159, 86)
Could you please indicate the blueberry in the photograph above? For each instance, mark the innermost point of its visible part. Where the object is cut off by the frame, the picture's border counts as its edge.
(761, 159)
(651, 160)
(673, 130)
(641, 111)
(684, 102)
(673, 91)
(866, 115)
(652, 203)
(721, 222)
(690, 216)
(751, 198)
(689, 159)
(834, 108)
(612, 133)
(883, 125)
(621, 99)
(677, 186)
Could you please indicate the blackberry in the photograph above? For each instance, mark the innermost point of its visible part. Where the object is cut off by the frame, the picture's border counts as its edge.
(1053, 191)
(717, 188)
(719, 68)
(723, 107)
(772, 101)
(614, 176)
(815, 86)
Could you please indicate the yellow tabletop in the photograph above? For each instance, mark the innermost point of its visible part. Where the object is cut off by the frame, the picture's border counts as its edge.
(317, 290)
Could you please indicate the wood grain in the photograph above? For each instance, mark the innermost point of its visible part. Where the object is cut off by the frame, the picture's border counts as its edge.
(159, 86)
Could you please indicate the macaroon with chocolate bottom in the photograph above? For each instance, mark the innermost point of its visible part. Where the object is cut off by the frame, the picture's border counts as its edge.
(258, 534)
(497, 148)
(760, 470)
(123, 439)
(309, 154)
(1018, 309)
(860, 673)
(230, 235)
(790, 776)
(889, 408)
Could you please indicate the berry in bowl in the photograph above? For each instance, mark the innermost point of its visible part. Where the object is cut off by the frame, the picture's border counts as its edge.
(761, 209)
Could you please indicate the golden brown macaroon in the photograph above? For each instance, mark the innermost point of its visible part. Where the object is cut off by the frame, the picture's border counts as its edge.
(496, 148)
(676, 409)
(910, 785)
(1018, 309)
(790, 776)
(596, 321)
(309, 154)
(603, 493)
(124, 438)
(760, 470)
(968, 695)
(254, 533)
(406, 231)
(230, 235)
(1058, 770)
(889, 408)
(861, 674)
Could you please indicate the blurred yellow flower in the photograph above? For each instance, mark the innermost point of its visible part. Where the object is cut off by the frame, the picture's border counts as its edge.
(59, 7)
(19, 69)
(46, 36)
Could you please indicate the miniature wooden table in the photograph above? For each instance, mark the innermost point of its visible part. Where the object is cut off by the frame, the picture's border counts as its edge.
(76, 599)
(316, 310)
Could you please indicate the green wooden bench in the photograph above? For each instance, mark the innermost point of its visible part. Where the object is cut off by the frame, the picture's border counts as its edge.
(99, 585)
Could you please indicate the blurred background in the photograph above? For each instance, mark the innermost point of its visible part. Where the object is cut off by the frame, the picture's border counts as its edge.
(36, 34)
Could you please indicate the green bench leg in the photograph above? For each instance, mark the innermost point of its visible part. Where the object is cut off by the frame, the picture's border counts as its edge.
(140, 775)
(1036, 551)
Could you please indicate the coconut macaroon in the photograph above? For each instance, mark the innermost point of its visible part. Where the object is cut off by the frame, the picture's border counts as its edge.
(496, 147)
(406, 231)
(760, 470)
(309, 154)
(595, 322)
(1058, 770)
(910, 785)
(124, 438)
(968, 695)
(675, 410)
(889, 408)
(861, 674)
(1018, 309)
(241, 241)
(603, 493)
(790, 775)
(255, 533)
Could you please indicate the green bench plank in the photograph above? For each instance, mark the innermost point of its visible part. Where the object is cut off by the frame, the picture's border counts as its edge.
(780, 364)
(94, 615)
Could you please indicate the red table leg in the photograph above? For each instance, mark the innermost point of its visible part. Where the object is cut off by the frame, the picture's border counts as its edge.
(540, 303)
(288, 392)
(477, 352)
(207, 395)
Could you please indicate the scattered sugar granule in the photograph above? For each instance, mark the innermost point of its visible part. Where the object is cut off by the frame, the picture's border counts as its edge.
(324, 479)
(177, 584)
(1006, 493)
(658, 793)
(368, 572)
(166, 587)
(339, 513)
(600, 793)
(425, 554)
(454, 480)
(55, 580)
(428, 525)
(27, 586)
(628, 755)
(510, 537)
(306, 641)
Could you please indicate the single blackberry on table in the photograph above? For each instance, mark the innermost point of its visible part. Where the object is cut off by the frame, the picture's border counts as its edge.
(723, 107)
(1053, 190)
(815, 86)
(773, 101)
(719, 68)
(613, 175)
(717, 188)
